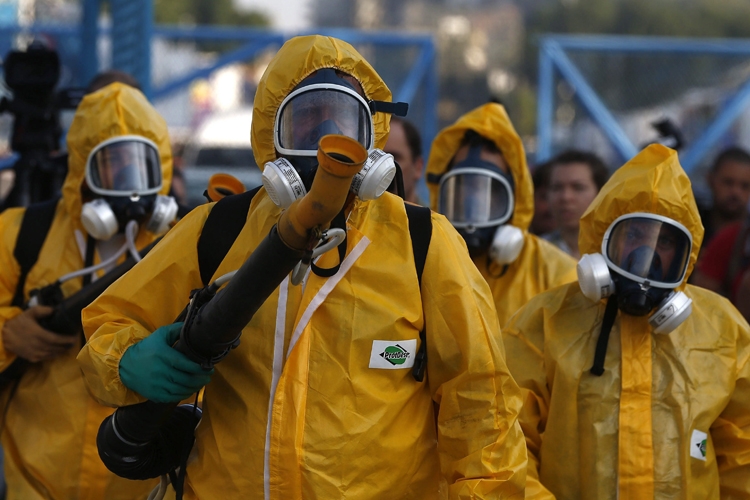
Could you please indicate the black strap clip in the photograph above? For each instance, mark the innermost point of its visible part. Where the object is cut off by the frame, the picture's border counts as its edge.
(393, 108)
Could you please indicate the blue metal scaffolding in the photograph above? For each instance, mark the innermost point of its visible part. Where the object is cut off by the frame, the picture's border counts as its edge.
(421, 79)
(132, 31)
(553, 56)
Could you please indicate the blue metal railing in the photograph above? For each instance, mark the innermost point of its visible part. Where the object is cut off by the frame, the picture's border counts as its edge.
(131, 52)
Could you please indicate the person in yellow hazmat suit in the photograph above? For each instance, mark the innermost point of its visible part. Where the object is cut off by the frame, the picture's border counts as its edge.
(319, 400)
(636, 384)
(479, 180)
(113, 200)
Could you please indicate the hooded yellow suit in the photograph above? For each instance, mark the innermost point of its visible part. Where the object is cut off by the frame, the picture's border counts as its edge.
(540, 265)
(51, 422)
(296, 411)
(628, 434)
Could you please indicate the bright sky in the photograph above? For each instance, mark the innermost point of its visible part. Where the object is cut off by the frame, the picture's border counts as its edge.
(286, 15)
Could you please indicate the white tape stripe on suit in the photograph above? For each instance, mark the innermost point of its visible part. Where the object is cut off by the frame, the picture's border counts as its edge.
(278, 361)
(326, 289)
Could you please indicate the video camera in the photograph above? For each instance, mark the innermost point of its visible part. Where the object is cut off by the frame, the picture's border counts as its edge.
(670, 134)
(32, 75)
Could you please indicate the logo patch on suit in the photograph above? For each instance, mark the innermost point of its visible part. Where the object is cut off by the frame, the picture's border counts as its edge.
(698, 443)
(392, 355)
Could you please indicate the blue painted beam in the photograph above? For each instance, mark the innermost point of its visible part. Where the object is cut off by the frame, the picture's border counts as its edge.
(731, 110)
(131, 33)
(247, 51)
(430, 124)
(144, 71)
(417, 74)
(217, 33)
(545, 116)
(89, 36)
(35, 29)
(376, 37)
(652, 44)
(590, 100)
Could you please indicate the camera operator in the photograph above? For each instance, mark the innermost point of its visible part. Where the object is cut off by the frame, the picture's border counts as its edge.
(40, 170)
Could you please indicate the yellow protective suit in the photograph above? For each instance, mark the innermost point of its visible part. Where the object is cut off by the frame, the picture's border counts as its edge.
(50, 426)
(628, 434)
(540, 265)
(296, 411)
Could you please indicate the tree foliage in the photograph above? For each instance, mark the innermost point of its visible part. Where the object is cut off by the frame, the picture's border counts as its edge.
(679, 18)
(644, 17)
(206, 12)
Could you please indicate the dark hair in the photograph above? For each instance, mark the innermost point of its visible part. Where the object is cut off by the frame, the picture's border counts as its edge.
(734, 153)
(541, 174)
(106, 77)
(473, 139)
(413, 139)
(599, 171)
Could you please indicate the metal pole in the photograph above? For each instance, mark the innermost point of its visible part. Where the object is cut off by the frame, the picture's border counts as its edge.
(731, 110)
(544, 112)
(590, 100)
(89, 38)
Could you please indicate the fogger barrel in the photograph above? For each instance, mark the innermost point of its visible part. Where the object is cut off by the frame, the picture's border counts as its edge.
(66, 318)
(138, 442)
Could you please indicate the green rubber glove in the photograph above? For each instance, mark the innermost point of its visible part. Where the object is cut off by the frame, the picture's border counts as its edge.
(156, 371)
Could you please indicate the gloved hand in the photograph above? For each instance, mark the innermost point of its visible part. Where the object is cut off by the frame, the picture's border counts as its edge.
(156, 371)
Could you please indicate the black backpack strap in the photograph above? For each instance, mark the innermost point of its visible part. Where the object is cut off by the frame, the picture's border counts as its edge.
(420, 231)
(223, 225)
(35, 225)
(610, 313)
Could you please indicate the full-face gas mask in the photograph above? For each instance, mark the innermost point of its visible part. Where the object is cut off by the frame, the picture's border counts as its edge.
(125, 173)
(321, 105)
(644, 258)
(477, 198)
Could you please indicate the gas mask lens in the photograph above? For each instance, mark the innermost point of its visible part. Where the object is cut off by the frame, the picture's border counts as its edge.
(321, 109)
(123, 166)
(475, 197)
(648, 248)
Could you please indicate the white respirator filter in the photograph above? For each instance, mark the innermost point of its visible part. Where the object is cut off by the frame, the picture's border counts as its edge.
(376, 175)
(671, 313)
(506, 244)
(163, 214)
(98, 219)
(282, 182)
(593, 277)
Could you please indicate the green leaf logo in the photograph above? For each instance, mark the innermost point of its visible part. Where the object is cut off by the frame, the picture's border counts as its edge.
(395, 354)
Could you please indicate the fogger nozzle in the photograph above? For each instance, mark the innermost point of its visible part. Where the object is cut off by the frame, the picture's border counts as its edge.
(340, 158)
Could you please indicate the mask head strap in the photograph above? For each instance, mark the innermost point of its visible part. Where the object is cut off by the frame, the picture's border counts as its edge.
(610, 313)
(392, 108)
